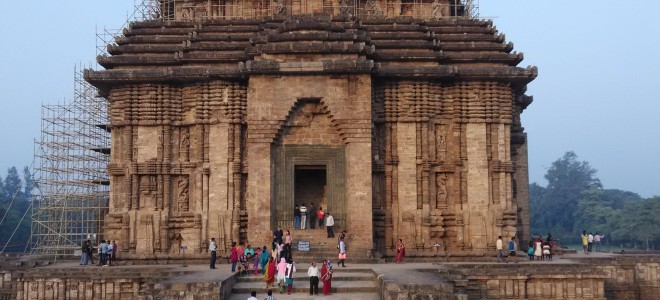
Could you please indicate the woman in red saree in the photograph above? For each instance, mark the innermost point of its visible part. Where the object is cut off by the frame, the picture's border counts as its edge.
(326, 278)
(269, 274)
(400, 251)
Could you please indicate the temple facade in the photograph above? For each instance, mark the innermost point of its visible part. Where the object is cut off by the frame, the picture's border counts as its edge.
(400, 118)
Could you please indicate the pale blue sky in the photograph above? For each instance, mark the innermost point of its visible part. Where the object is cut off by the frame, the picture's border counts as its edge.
(598, 90)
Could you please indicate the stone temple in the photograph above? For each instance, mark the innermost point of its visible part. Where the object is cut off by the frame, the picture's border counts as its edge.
(401, 118)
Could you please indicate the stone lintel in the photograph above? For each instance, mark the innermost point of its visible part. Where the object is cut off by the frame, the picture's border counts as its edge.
(269, 67)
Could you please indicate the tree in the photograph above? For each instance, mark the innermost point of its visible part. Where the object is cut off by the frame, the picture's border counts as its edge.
(13, 184)
(567, 179)
(13, 206)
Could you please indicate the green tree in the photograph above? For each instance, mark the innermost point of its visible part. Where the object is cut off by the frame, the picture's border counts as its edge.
(567, 179)
(640, 222)
(14, 203)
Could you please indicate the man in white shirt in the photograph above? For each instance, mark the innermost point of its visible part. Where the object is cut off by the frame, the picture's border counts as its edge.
(499, 249)
(213, 247)
(329, 222)
(597, 239)
(303, 217)
(313, 273)
(590, 241)
(253, 296)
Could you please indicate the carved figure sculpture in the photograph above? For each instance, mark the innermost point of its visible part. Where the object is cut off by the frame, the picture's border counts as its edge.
(436, 10)
(279, 8)
(184, 147)
(441, 181)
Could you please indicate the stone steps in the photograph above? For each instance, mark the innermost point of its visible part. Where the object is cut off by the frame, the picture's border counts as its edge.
(360, 283)
(305, 295)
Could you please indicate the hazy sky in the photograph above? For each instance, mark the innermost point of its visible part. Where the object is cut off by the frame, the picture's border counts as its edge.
(598, 90)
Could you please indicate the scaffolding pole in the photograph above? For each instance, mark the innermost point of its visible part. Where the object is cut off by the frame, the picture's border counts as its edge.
(72, 186)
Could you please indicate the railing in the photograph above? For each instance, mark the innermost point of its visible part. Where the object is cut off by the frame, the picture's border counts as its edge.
(224, 9)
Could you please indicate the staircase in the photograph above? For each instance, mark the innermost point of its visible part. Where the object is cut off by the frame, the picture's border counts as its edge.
(347, 283)
(321, 247)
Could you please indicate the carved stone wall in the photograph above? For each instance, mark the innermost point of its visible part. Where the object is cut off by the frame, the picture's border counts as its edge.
(417, 123)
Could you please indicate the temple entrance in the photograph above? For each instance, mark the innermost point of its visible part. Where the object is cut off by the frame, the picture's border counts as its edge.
(308, 174)
(310, 186)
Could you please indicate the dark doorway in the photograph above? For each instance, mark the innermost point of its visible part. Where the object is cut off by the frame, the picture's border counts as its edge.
(310, 186)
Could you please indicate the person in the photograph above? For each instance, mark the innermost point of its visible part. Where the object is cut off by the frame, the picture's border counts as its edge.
(590, 242)
(108, 255)
(290, 273)
(303, 217)
(329, 223)
(114, 251)
(312, 216)
(400, 251)
(288, 239)
(320, 214)
(277, 235)
(253, 296)
(313, 273)
(538, 248)
(499, 247)
(326, 277)
(546, 252)
(281, 274)
(90, 252)
(342, 236)
(512, 249)
(269, 273)
(286, 252)
(103, 261)
(83, 254)
(342, 253)
(551, 242)
(233, 256)
(213, 247)
(530, 252)
(597, 239)
(256, 259)
(270, 295)
(263, 259)
(296, 217)
(585, 241)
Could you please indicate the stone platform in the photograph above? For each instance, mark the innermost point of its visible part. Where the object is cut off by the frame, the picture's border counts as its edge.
(578, 276)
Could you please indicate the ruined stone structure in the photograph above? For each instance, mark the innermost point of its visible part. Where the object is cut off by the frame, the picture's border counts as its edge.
(401, 118)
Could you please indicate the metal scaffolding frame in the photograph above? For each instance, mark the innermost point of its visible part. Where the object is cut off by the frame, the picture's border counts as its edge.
(72, 186)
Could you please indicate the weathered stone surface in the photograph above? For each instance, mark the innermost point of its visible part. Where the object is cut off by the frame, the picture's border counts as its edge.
(413, 118)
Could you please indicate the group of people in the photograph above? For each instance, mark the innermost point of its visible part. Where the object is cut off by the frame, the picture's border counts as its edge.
(303, 216)
(499, 244)
(282, 274)
(107, 253)
(540, 249)
(588, 240)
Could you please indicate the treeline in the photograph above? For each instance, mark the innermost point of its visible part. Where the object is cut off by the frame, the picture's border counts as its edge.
(15, 200)
(575, 200)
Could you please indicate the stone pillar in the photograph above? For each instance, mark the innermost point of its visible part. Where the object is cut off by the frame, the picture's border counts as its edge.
(478, 186)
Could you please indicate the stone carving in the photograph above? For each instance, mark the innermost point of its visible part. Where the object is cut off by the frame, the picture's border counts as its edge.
(184, 146)
(345, 7)
(279, 9)
(436, 10)
(441, 187)
(208, 130)
(372, 9)
(183, 193)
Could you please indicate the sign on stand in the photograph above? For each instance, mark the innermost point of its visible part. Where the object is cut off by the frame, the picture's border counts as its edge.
(303, 246)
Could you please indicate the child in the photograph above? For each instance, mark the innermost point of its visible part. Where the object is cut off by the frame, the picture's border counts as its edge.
(547, 254)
